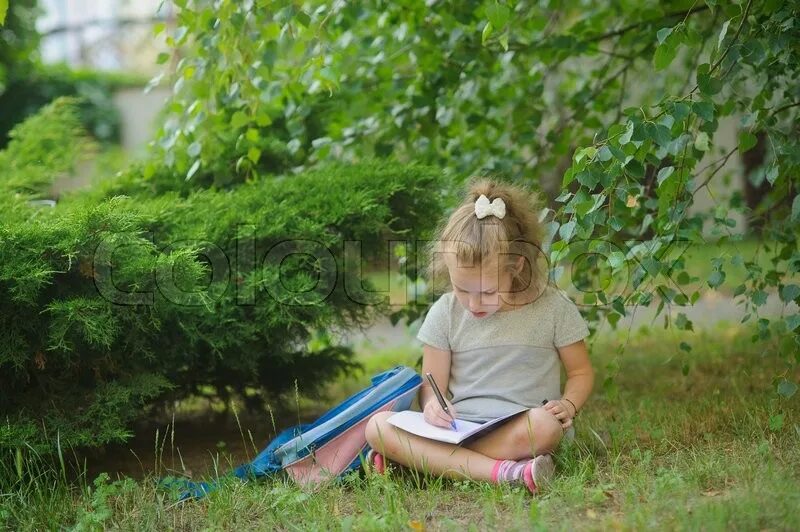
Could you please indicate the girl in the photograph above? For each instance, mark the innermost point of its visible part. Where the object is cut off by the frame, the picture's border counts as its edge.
(494, 342)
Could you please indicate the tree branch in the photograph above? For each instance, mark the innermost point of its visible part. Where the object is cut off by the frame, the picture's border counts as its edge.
(615, 33)
(727, 49)
(784, 107)
(722, 161)
(734, 39)
(635, 25)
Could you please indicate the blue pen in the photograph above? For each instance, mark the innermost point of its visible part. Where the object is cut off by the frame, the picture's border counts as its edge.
(440, 398)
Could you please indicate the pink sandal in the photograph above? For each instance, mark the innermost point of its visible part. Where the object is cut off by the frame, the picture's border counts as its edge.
(376, 461)
(538, 472)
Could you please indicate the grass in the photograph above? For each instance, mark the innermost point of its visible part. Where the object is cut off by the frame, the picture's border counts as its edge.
(654, 449)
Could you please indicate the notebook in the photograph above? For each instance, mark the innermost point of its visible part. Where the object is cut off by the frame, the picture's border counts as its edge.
(415, 423)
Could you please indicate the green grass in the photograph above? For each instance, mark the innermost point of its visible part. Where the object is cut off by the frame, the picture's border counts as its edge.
(656, 449)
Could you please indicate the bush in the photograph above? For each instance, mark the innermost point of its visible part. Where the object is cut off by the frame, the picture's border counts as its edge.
(109, 303)
(25, 95)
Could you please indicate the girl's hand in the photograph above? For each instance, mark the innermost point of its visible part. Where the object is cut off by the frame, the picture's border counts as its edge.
(435, 415)
(562, 410)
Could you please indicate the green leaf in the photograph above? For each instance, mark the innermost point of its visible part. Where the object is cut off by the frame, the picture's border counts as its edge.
(722, 33)
(254, 154)
(616, 259)
(664, 55)
(271, 31)
(194, 149)
(239, 119)
(787, 388)
(635, 168)
(504, 40)
(567, 230)
(790, 292)
(796, 209)
(746, 141)
(772, 175)
(708, 85)
(162, 58)
(685, 347)
(625, 138)
(587, 179)
(619, 305)
(716, 278)
(193, 170)
(662, 34)
(3, 10)
(486, 33)
(683, 323)
(680, 111)
(704, 110)
(263, 119)
(498, 15)
(759, 298)
(701, 142)
(664, 173)
(792, 322)
(303, 18)
(604, 154)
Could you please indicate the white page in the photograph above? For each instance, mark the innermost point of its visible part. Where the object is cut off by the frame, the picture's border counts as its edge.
(415, 423)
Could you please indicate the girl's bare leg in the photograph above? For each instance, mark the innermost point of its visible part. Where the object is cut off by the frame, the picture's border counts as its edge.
(524, 436)
(527, 435)
(426, 455)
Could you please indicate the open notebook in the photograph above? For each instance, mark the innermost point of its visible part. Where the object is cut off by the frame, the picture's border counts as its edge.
(414, 423)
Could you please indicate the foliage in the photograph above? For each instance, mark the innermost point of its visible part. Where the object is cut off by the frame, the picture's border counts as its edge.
(109, 301)
(26, 84)
(19, 40)
(24, 95)
(613, 109)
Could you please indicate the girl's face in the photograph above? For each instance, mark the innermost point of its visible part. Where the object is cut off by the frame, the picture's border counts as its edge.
(482, 289)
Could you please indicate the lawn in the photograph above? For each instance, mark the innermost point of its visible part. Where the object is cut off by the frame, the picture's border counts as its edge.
(715, 449)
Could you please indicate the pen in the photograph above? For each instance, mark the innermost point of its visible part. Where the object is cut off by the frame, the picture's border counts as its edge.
(440, 398)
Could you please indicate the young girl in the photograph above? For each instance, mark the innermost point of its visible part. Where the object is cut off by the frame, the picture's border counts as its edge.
(494, 342)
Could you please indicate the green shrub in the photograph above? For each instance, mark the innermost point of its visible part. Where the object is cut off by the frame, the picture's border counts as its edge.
(109, 303)
(41, 84)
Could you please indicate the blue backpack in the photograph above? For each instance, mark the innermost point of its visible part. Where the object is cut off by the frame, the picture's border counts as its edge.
(332, 445)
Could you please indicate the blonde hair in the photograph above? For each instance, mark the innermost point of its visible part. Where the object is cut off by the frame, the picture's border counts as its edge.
(477, 242)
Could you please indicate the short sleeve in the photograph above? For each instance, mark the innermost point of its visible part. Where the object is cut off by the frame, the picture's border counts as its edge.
(570, 327)
(435, 328)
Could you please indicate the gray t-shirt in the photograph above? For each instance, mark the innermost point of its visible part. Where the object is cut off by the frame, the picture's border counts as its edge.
(507, 361)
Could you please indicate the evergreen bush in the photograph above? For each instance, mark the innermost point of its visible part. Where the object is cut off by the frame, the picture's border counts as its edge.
(110, 304)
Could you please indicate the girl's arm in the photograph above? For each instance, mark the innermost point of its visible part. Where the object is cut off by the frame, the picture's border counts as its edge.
(437, 362)
(580, 380)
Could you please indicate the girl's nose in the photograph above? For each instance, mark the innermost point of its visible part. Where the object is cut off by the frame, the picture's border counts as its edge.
(475, 302)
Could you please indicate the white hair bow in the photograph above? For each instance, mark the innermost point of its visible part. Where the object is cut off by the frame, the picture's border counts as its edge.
(483, 208)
